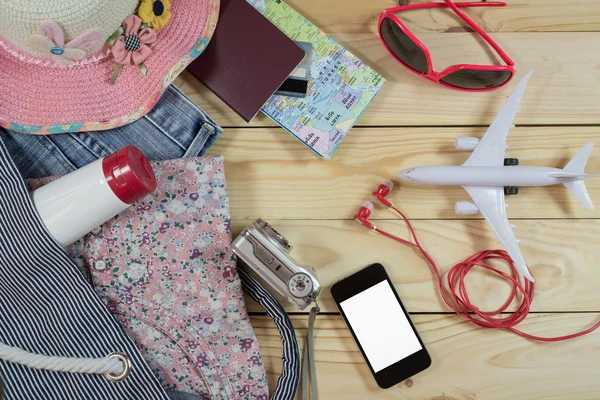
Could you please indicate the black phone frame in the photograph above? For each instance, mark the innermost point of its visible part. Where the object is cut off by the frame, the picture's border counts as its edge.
(357, 283)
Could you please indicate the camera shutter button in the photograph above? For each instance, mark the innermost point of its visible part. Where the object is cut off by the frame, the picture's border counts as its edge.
(300, 285)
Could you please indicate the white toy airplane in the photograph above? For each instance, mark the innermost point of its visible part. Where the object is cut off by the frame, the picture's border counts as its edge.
(487, 176)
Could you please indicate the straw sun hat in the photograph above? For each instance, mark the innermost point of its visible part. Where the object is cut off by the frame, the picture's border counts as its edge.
(87, 65)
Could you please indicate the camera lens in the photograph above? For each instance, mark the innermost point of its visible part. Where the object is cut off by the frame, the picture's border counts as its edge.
(275, 236)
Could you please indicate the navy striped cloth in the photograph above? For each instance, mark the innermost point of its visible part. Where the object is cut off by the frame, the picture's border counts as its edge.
(46, 307)
(287, 384)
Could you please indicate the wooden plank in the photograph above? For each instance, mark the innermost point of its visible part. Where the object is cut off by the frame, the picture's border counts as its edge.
(359, 16)
(561, 91)
(562, 254)
(271, 175)
(467, 362)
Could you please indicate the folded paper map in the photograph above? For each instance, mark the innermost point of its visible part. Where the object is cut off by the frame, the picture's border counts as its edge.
(340, 86)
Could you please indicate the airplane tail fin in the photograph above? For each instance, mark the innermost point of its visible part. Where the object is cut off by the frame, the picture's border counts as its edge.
(577, 164)
(575, 169)
(579, 190)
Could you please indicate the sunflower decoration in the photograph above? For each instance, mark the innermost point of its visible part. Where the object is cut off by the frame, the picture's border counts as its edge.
(155, 13)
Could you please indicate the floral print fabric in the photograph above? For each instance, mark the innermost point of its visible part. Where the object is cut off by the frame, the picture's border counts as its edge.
(165, 269)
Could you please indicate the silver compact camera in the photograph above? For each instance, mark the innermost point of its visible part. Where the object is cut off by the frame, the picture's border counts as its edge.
(267, 252)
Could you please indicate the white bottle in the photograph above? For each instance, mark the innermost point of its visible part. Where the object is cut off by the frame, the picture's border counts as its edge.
(75, 204)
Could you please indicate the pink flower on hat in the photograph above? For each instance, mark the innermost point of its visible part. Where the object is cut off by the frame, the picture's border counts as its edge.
(50, 40)
(131, 48)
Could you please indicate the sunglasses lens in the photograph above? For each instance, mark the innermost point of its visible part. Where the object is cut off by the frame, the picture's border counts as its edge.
(402, 46)
(476, 79)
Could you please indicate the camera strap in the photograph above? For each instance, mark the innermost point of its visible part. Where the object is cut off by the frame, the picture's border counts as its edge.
(309, 371)
(287, 384)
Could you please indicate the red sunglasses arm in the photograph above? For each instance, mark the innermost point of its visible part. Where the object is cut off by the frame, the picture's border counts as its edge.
(480, 31)
(440, 5)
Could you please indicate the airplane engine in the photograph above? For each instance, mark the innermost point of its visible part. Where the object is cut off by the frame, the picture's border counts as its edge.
(465, 208)
(466, 143)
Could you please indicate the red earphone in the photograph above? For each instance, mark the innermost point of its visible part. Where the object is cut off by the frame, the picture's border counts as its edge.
(457, 297)
(364, 212)
(383, 190)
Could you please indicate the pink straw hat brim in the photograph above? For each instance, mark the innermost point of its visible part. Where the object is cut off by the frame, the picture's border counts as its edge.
(42, 100)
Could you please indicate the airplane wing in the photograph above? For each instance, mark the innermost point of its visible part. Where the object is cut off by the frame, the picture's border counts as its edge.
(490, 150)
(491, 204)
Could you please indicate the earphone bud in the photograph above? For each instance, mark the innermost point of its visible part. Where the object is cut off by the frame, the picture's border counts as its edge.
(363, 214)
(383, 190)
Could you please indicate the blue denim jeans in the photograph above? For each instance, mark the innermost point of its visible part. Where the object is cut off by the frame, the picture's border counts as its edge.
(176, 127)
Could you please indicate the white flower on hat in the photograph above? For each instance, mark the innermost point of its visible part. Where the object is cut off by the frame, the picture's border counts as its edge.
(50, 40)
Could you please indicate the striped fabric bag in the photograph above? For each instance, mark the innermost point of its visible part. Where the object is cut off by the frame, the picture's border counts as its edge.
(55, 333)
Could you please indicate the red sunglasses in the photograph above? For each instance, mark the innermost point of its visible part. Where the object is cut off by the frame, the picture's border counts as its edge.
(408, 50)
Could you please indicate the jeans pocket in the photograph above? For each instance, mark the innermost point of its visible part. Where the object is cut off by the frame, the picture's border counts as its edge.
(183, 122)
(36, 156)
(205, 138)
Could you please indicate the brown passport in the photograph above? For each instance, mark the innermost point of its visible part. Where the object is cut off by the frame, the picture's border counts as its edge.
(247, 59)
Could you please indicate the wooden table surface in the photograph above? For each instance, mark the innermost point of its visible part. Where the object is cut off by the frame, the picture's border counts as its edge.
(414, 122)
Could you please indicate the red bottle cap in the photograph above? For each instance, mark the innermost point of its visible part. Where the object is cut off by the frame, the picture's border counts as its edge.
(129, 174)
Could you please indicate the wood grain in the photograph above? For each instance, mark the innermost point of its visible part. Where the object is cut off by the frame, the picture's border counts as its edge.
(414, 122)
(562, 254)
(560, 92)
(359, 16)
(467, 362)
(271, 175)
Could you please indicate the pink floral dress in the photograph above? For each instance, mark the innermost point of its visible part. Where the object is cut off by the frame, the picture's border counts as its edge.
(165, 269)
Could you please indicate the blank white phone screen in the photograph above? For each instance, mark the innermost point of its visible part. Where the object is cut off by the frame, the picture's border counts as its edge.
(380, 326)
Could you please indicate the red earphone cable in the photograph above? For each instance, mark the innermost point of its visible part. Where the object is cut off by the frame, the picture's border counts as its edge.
(457, 297)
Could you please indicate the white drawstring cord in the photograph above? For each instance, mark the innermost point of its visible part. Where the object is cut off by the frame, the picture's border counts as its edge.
(115, 367)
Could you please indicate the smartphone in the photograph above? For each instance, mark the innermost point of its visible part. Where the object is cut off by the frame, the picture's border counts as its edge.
(380, 325)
